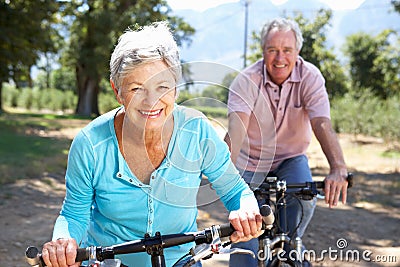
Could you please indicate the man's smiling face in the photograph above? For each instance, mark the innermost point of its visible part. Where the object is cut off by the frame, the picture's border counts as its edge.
(280, 54)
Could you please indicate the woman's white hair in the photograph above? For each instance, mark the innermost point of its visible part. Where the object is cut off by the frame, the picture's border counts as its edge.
(148, 44)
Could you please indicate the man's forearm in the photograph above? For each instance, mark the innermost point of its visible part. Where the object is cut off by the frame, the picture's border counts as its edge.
(330, 145)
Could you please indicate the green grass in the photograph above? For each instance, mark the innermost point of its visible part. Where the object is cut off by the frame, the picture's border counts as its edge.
(24, 152)
(392, 153)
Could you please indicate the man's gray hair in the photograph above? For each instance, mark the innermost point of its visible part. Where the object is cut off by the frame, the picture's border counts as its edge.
(282, 24)
(148, 44)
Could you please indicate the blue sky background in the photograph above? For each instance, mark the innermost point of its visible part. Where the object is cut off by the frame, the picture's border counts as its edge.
(220, 24)
(206, 4)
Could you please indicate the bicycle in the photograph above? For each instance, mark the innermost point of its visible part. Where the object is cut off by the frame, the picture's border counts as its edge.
(208, 242)
(276, 248)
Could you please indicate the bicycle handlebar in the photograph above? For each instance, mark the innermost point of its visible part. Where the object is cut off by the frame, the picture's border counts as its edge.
(34, 258)
(319, 184)
(306, 189)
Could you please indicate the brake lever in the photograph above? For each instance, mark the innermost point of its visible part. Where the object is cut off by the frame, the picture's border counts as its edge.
(206, 251)
(110, 263)
(93, 262)
(237, 251)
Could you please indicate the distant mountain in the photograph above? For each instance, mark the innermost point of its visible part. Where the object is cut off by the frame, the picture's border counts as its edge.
(220, 31)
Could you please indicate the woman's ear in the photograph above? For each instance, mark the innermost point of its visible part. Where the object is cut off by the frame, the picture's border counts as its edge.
(116, 92)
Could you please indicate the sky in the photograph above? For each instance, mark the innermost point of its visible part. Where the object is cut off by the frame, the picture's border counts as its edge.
(205, 4)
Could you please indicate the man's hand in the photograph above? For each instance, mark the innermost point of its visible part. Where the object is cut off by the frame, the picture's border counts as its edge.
(335, 184)
(248, 225)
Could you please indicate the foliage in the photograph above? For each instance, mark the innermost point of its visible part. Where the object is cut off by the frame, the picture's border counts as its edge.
(107, 102)
(212, 112)
(186, 77)
(31, 29)
(396, 5)
(185, 96)
(39, 99)
(227, 81)
(368, 115)
(374, 63)
(220, 92)
(215, 95)
(315, 51)
(202, 101)
(94, 30)
(10, 95)
(64, 79)
(255, 51)
(217, 92)
(27, 31)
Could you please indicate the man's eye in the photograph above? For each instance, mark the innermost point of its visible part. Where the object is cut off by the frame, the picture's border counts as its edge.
(164, 88)
(136, 89)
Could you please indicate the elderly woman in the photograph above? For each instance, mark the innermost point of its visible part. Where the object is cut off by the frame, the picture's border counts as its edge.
(137, 169)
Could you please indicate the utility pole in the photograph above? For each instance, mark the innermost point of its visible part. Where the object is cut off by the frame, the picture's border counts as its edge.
(246, 19)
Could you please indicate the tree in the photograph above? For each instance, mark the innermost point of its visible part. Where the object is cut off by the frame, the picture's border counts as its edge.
(374, 63)
(63, 79)
(27, 31)
(314, 50)
(255, 50)
(220, 92)
(396, 5)
(94, 30)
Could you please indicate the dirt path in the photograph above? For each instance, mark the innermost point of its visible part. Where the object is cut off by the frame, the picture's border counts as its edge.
(369, 222)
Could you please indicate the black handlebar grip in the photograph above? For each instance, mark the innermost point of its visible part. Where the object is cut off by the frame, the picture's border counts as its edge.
(320, 184)
(33, 257)
(265, 210)
(82, 254)
(226, 230)
(268, 216)
(349, 180)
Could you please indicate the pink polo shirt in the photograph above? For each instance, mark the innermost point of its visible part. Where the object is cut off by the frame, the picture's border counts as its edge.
(279, 126)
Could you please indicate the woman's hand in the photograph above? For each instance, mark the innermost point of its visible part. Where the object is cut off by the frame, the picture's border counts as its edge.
(60, 253)
(247, 223)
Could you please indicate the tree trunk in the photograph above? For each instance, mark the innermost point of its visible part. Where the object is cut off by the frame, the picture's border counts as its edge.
(30, 81)
(1, 97)
(88, 90)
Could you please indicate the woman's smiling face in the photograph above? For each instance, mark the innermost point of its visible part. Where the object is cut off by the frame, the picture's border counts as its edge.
(148, 94)
(280, 54)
